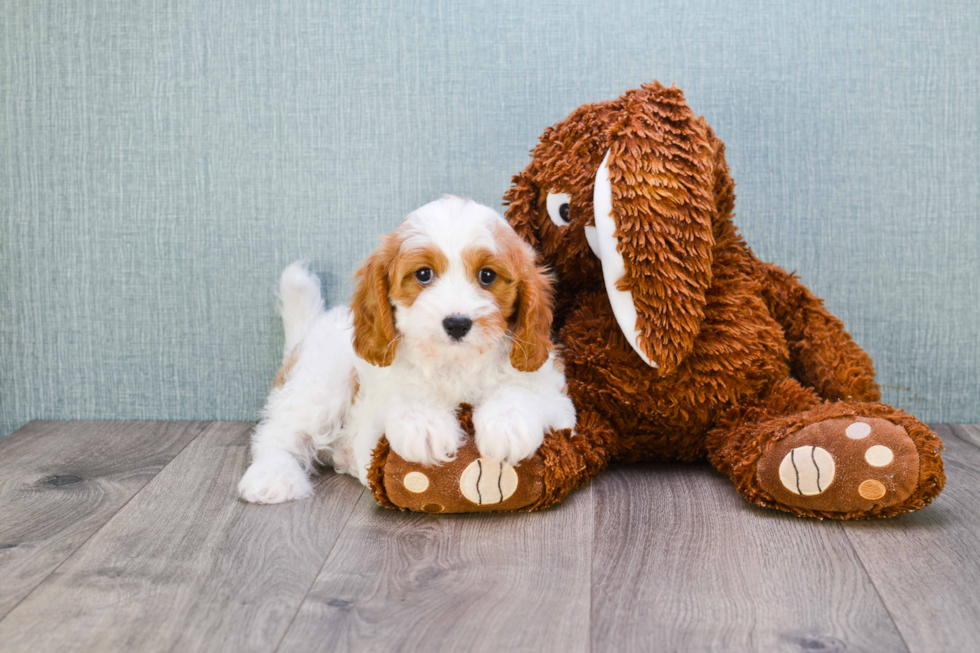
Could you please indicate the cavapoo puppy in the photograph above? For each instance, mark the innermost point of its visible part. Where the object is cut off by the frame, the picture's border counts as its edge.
(450, 309)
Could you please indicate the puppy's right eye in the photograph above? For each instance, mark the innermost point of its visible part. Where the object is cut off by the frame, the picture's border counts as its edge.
(558, 208)
(424, 276)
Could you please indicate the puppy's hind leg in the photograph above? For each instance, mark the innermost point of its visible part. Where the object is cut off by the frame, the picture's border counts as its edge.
(280, 442)
(282, 448)
(301, 417)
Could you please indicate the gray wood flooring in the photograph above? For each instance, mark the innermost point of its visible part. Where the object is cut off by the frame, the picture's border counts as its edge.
(127, 536)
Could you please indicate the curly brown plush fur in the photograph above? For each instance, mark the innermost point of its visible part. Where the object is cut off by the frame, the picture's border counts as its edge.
(745, 355)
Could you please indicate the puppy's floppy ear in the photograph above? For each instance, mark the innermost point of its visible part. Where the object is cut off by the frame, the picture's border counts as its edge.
(375, 339)
(654, 206)
(531, 324)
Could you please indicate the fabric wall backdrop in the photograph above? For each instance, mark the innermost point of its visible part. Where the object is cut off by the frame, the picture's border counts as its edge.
(162, 161)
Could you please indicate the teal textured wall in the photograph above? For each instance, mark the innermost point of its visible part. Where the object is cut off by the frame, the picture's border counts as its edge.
(160, 162)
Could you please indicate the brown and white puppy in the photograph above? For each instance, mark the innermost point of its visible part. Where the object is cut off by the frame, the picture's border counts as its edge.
(450, 309)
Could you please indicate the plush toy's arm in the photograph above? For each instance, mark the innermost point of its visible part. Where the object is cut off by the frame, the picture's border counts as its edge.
(822, 353)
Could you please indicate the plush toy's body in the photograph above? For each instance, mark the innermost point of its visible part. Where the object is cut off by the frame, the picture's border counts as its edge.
(680, 345)
(723, 356)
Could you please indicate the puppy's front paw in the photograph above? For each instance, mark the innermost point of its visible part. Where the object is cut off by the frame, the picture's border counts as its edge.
(506, 432)
(274, 478)
(424, 435)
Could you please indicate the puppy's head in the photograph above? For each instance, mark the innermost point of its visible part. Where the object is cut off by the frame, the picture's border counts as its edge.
(451, 284)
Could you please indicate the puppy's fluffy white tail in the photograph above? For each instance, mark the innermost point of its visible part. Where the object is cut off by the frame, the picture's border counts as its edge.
(300, 302)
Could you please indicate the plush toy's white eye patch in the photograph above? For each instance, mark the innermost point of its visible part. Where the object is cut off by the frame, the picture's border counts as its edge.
(558, 206)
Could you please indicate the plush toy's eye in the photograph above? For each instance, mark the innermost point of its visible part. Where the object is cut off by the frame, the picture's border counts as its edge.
(424, 276)
(558, 206)
(487, 276)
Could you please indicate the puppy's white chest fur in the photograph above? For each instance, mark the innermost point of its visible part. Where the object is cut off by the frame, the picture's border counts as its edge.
(446, 383)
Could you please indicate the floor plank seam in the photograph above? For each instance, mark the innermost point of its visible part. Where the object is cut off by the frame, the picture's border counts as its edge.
(874, 586)
(207, 425)
(319, 571)
(591, 561)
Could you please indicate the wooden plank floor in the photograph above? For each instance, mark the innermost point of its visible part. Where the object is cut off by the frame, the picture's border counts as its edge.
(128, 537)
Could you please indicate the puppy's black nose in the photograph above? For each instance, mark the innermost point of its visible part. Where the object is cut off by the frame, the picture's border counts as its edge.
(457, 326)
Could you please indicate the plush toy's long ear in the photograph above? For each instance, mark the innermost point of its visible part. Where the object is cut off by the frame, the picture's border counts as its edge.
(522, 206)
(653, 204)
(375, 339)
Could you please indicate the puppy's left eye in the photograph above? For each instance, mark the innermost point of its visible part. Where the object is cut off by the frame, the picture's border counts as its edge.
(487, 276)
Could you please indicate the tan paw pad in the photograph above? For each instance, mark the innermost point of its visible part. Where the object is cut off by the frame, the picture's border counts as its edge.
(872, 490)
(858, 430)
(416, 482)
(486, 481)
(879, 456)
(807, 470)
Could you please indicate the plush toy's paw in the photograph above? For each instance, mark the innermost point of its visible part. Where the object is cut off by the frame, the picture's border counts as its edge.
(842, 464)
(506, 433)
(469, 482)
(276, 477)
(423, 435)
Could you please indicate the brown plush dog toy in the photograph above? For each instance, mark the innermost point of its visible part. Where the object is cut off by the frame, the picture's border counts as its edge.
(679, 343)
